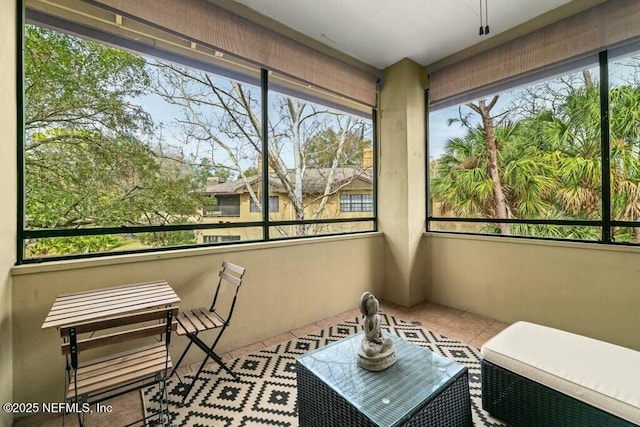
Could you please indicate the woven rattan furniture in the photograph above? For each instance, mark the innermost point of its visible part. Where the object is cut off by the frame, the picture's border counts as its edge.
(421, 389)
(533, 375)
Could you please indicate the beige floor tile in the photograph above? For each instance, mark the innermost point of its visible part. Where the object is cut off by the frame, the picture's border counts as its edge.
(447, 311)
(473, 323)
(305, 330)
(185, 370)
(288, 336)
(323, 323)
(458, 334)
(496, 327)
(243, 351)
(395, 310)
(350, 314)
(433, 322)
(483, 337)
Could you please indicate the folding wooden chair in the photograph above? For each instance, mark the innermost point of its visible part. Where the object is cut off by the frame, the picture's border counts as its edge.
(192, 322)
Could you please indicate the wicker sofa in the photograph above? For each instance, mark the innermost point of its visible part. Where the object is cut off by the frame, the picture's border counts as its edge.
(534, 375)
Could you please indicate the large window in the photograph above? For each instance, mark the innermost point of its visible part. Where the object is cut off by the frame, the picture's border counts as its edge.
(155, 150)
(316, 152)
(529, 161)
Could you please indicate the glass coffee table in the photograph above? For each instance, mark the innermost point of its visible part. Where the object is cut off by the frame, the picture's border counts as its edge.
(421, 389)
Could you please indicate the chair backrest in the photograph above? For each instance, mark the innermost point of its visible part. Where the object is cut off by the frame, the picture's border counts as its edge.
(72, 345)
(230, 275)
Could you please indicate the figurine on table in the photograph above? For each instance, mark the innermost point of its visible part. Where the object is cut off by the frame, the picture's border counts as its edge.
(376, 351)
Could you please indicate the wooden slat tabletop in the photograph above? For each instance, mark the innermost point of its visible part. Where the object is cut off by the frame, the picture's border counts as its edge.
(71, 309)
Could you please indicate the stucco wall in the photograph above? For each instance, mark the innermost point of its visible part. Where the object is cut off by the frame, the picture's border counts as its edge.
(401, 183)
(8, 190)
(287, 285)
(587, 289)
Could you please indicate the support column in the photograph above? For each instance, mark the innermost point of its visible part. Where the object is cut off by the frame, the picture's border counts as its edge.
(401, 184)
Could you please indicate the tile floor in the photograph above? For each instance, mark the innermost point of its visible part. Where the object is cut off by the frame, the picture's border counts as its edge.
(463, 326)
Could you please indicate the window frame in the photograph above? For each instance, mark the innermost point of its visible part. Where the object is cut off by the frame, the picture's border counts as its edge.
(34, 17)
(606, 224)
(224, 203)
(253, 208)
(362, 203)
(221, 238)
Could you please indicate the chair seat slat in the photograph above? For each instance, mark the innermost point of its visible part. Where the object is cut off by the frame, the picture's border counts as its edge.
(191, 323)
(202, 320)
(210, 320)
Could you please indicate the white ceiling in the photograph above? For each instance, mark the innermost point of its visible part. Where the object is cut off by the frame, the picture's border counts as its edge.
(382, 32)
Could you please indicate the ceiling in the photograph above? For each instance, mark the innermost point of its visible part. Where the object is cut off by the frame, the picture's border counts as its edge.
(382, 32)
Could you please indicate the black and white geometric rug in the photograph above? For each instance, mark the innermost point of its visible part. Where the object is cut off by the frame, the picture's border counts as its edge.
(265, 394)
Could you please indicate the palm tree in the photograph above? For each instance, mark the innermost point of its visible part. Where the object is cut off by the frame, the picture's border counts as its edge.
(546, 164)
(502, 173)
(625, 154)
(570, 140)
(461, 181)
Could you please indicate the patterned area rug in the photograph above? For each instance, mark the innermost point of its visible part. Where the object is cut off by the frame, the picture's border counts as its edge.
(265, 394)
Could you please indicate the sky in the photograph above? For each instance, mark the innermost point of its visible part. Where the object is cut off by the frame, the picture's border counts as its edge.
(621, 71)
(173, 134)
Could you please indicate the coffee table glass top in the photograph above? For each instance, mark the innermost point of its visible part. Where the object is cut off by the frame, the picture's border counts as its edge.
(389, 396)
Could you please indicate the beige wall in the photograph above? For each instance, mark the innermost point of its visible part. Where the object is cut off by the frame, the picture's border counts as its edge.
(587, 289)
(287, 285)
(8, 175)
(401, 183)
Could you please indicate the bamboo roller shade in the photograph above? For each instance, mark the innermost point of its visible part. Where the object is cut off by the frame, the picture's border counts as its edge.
(587, 32)
(206, 23)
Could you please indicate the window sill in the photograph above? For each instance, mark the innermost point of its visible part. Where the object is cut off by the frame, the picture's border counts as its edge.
(181, 253)
(536, 242)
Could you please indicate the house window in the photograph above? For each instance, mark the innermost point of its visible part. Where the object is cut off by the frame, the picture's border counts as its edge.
(122, 158)
(219, 239)
(226, 206)
(356, 203)
(274, 205)
(532, 161)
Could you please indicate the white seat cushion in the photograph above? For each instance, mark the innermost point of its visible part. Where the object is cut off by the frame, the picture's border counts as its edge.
(603, 375)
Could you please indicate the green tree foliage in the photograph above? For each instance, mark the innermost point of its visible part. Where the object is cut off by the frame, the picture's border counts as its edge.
(549, 164)
(90, 153)
(74, 245)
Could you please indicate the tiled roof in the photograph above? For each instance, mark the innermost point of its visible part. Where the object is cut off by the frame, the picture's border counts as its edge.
(313, 181)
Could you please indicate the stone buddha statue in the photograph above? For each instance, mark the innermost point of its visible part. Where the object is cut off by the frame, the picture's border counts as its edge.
(376, 352)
